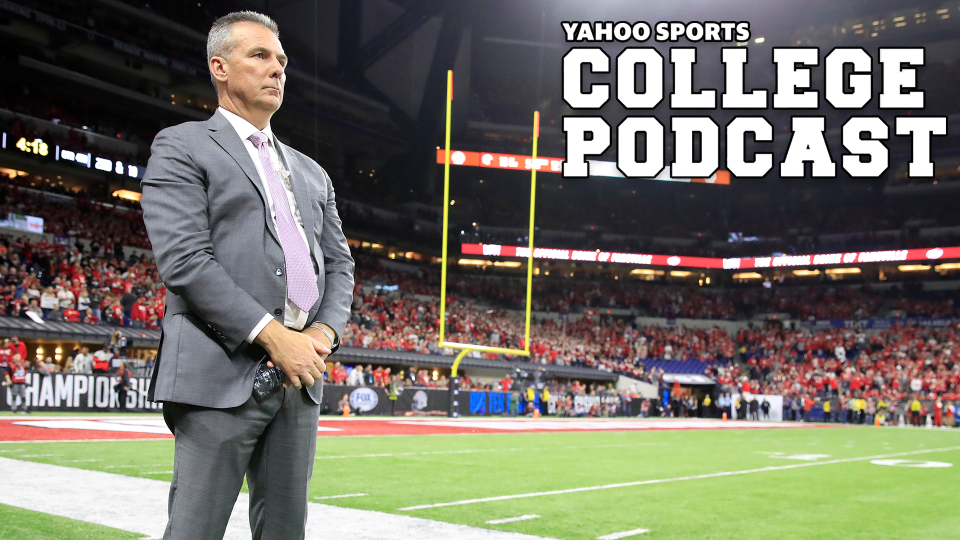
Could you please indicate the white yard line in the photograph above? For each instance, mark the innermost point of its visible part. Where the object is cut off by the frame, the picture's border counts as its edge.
(485, 450)
(340, 496)
(78, 460)
(511, 520)
(83, 417)
(104, 498)
(677, 479)
(624, 534)
(146, 425)
(170, 439)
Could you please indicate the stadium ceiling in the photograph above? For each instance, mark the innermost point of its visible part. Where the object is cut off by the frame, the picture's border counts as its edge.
(398, 51)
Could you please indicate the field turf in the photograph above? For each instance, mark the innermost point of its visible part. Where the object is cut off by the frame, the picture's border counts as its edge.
(802, 483)
(28, 525)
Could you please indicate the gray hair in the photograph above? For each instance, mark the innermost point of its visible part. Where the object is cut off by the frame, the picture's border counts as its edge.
(220, 40)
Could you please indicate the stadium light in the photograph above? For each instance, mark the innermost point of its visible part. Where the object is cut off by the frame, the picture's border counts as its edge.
(836, 271)
(806, 272)
(747, 275)
(913, 268)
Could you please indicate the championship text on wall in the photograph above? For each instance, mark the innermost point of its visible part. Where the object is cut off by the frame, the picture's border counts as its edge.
(78, 392)
(853, 79)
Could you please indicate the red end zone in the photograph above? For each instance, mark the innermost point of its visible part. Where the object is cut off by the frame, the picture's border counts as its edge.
(13, 429)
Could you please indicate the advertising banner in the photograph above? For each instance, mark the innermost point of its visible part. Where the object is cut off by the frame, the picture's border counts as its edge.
(487, 403)
(776, 406)
(82, 393)
(423, 400)
(601, 169)
(879, 324)
(823, 259)
(21, 222)
(364, 400)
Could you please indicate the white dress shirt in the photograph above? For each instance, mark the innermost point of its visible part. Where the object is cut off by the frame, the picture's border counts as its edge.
(293, 317)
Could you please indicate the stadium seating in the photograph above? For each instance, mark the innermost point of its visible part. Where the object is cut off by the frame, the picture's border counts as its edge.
(777, 359)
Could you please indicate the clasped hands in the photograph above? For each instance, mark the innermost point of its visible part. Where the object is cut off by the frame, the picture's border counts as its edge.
(300, 355)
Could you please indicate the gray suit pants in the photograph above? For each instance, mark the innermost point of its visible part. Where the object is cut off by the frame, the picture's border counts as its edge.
(273, 443)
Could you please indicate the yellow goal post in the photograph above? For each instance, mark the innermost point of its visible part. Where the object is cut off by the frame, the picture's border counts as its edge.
(467, 347)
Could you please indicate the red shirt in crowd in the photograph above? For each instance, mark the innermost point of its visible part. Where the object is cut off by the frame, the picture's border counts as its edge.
(139, 312)
(19, 348)
(18, 371)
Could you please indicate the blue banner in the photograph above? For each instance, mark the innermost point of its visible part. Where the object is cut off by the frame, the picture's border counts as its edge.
(478, 403)
(497, 403)
(482, 403)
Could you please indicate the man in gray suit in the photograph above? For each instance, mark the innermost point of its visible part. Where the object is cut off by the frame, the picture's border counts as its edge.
(249, 244)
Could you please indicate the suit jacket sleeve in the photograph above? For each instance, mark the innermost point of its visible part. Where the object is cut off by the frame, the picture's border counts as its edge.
(175, 213)
(338, 268)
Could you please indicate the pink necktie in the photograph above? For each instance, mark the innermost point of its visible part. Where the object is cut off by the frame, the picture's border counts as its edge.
(301, 281)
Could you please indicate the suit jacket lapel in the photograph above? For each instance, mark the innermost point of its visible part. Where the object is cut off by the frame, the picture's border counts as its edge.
(231, 143)
(300, 194)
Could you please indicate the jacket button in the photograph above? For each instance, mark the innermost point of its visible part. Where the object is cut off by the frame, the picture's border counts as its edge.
(278, 312)
(279, 271)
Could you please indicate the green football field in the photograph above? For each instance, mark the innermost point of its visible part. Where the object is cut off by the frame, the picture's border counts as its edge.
(732, 484)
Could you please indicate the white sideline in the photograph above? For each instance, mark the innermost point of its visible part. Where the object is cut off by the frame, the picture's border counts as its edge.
(624, 534)
(345, 496)
(486, 450)
(140, 505)
(677, 479)
(511, 520)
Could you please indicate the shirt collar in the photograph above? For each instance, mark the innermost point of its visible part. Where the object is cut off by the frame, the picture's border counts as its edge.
(244, 128)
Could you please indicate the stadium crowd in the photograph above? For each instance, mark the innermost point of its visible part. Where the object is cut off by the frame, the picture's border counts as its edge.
(103, 226)
(94, 283)
(412, 325)
(561, 295)
(860, 375)
(85, 283)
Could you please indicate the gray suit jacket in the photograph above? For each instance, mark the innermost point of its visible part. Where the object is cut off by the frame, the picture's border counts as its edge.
(219, 255)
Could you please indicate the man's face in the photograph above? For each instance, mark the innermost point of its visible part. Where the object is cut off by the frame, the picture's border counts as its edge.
(255, 70)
